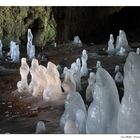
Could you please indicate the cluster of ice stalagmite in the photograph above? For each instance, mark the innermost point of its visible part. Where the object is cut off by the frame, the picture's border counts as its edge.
(103, 111)
(1, 46)
(30, 46)
(75, 111)
(129, 114)
(110, 49)
(84, 58)
(40, 128)
(44, 81)
(90, 87)
(122, 46)
(77, 41)
(24, 71)
(14, 52)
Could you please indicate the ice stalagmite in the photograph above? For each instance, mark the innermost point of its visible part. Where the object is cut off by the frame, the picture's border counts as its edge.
(75, 110)
(76, 75)
(84, 69)
(30, 46)
(24, 71)
(103, 111)
(129, 114)
(90, 88)
(110, 49)
(40, 128)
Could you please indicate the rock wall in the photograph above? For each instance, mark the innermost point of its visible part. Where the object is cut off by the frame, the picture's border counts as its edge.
(14, 22)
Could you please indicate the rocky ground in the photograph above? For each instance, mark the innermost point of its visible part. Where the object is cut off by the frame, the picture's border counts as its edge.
(20, 113)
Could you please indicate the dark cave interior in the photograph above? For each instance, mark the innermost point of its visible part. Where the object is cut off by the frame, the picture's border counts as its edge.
(94, 24)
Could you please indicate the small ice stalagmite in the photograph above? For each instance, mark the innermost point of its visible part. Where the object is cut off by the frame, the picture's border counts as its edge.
(90, 88)
(40, 128)
(119, 77)
(64, 71)
(78, 62)
(110, 49)
(129, 114)
(53, 91)
(84, 69)
(77, 75)
(30, 46)
(138, 51)
(75, 110)
(98, 64)
(121, 52)
(77, 41)
(24, 71)
(69, 83)
(103, 111)
(117, 67)
(70, 127)
(1, 46)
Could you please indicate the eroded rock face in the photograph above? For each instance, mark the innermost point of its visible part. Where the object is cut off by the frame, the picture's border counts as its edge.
(15, 21)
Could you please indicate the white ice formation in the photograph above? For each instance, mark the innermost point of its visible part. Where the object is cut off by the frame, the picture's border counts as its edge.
(84, 58)
(40, 128)
(24, 71)
(70, 127)
(77, 41)
(75, 110)
(129, 114)
(98, 64)
(90, 87)
(138, 51)
(30, 46)
(103, 111)
(14, 52)
(110, 49)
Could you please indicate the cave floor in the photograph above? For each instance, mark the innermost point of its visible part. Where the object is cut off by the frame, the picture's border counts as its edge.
(19, 116)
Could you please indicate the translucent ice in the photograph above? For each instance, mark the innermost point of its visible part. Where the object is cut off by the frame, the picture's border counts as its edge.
(84, 69)
(121, 52)
(98, 64)
(129, 114)
(24, 71)
(138, 51)
(90, 88)
(110, 48)
(40, 128)
(30, 46)
(117, 68)
(122, 41)
(52, 91)
(103, 111)
(14, 51)
(70, 127)
(1, 46)
(69, 83)
(76, 75)
(77, 41)
(75, 110)
(118, 77)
